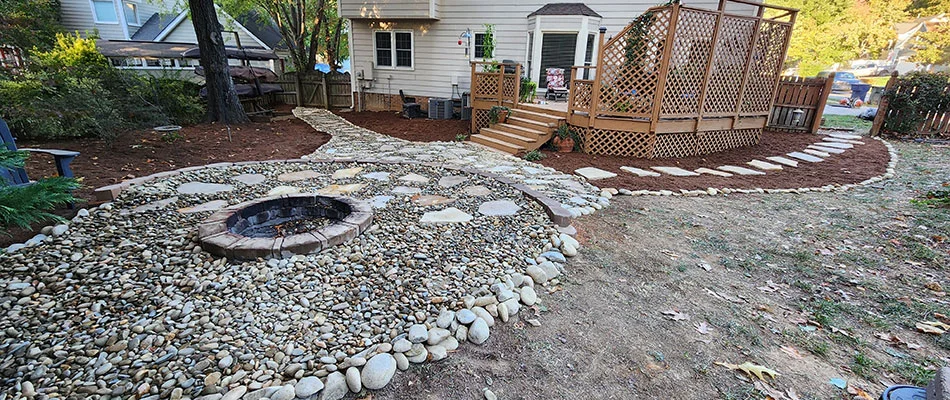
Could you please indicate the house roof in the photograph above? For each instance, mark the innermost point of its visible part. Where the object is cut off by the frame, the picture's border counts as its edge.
(565, 9)
(262, 27)
(153, 26)
(906, 27)
(148, 49)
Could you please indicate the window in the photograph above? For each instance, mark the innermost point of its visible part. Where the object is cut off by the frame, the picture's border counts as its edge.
(479, 45)
(103, 11)
(131, 13)
(393, 49)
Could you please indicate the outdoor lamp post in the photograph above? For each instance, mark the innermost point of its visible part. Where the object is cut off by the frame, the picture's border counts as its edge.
(467, 35)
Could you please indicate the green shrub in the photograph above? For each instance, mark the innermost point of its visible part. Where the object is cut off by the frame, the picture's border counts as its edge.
(907, 109)
(21, 206)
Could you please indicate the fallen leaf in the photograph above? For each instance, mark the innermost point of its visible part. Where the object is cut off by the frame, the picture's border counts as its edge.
(934, 286)
(751, 369)
(792, 352)
(676, 315)
(702, 328)
(705, 265)
(859, 393)
(932, 327)
(792, 394)
(769, 391)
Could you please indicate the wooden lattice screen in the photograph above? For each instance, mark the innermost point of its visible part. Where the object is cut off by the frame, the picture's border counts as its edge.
(493, 84)
(684, 76)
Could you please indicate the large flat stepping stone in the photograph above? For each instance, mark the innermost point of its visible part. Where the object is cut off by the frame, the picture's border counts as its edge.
(532, 170)
(451, 180)
(346, 173)
(835, 145)
(203, 188)
(341, 189)
(414, 178)
(639, 172)
(501, 169)
(380, 201)
(250, 179)
(430, 200)
(782, 160)
(279, 190)
(831, 139)
(155, 205)
(805, 157)
(674, 171)
(377, 176)
(823, 149)
(765, 166)
(212, 205)
(477, 190)
(817, 153)
(707, 171)
(593, 174)
(740, 170)
(448, 215)
(498, 208)
(406, 190)
(845, 136)
(297, 175)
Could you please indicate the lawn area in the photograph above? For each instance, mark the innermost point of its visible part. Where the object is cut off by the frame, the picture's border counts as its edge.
(816, 287)
(846, 121)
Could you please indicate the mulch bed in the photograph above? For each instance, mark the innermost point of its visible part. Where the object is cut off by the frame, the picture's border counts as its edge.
(417, 130)
(141, 153)
(852, 166)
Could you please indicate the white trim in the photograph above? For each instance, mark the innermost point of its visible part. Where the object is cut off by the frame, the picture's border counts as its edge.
(184, 14)
(171, 26)
(138, 17)
(536, 52)
(239, 25)
(472, 50)
(95, 16)
(392, 50)
(122, 21)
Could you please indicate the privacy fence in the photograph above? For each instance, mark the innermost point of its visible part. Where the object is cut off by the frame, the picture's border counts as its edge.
(330, 90)
(799, 103)
(916, 106)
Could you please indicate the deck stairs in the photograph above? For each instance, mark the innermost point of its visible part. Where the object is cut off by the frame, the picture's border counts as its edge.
(528, 128)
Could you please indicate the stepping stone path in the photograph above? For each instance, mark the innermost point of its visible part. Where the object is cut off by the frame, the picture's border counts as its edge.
(297, 176)
(477, 191)
(836, 145)
(414, 178)
(250, 179)
(380, 201)
(740, 170)
(639, 172)
(845, 136)
(823, 149)
(498, 208)
(593, 174)
(817, 153)
(451, 180)
(675, 171)
(203, 188)
(155, 205)
(346, 173)
(279, 190)
(209, 206)
(832, 139)
(708, 171)
(377, 176)
(805, 157)
(782, 160)
(764, 165)
(448, 215)
(430, 200)
(406, 190)
(341, 189)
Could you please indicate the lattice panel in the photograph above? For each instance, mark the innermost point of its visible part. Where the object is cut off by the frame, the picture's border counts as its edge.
(616, 143)
(729, 60)
(692, 45)
(630, 66)
(675, 145)
(764, 69)
(480, 120)
(510, 88)
(713, 141)
(485, 85)
(581, 94)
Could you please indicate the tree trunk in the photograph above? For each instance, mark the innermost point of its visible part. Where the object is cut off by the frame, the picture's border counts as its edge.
(223, 103)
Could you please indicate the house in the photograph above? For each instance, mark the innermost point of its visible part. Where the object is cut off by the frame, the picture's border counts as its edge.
(425, 47)
(151, 36)
(907, 34)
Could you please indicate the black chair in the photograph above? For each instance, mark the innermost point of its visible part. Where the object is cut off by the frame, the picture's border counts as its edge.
(410, 109)
(509, 66)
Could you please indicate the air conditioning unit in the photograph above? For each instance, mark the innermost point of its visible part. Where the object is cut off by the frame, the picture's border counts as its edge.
(440, 108)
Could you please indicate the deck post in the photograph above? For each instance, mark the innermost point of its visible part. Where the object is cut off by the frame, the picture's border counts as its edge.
(882, 108)
(664, 68)
(595, 90)
(709, 66)
(472, 97)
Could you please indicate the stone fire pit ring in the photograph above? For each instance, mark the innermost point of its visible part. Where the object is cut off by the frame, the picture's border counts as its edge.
(220, 234)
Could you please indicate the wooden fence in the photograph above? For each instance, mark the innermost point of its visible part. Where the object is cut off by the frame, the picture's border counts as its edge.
(932, 120)
(799, 103)
(315, 89)
(493, 84)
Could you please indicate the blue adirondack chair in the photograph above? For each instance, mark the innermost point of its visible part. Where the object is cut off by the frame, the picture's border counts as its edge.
(17, 176)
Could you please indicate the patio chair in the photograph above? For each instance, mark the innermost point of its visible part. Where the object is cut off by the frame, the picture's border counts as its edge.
(556, 88)
(410, 109)
(17, 176)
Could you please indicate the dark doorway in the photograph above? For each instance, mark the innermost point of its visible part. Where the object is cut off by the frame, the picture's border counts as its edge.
(557, 51)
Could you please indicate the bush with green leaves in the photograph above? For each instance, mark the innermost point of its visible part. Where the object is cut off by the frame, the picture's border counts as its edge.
(22, 206)
(907, 108)
(72, 91)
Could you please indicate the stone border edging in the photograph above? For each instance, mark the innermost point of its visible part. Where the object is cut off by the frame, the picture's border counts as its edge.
(555, 212)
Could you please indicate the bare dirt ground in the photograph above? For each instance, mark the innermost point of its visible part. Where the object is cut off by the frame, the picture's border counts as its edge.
(805, 285)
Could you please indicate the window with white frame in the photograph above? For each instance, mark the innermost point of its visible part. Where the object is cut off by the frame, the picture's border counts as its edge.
(393, 49)
(103, 11)
(479, 45)
(131, 13)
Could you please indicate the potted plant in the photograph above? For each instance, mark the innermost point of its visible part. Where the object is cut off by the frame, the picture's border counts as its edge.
(498, 114)
(564, 139)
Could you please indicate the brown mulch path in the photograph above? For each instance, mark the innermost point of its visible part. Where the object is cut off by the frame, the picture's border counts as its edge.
(143, 152)
(417, 130)
(852, 166)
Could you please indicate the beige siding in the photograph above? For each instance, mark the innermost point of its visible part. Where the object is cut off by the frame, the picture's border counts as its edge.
(77, 17)
(391, 9)
(185, 33)
(438, 57)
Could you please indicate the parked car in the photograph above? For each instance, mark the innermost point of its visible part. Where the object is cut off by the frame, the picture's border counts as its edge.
(871, 69)
(843, 80)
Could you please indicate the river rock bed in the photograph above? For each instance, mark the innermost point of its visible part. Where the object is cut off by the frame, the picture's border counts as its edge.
(126, 304)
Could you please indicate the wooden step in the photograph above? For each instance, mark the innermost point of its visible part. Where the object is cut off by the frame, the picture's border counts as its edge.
(497, 144)
(543, 110)
(519, 130)
(530, 123)
(513, 138)
(541, 117)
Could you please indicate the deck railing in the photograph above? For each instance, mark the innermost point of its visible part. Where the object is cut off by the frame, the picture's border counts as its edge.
(493, 84)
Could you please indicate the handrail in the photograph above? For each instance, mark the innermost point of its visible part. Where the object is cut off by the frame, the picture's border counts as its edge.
(572, 94)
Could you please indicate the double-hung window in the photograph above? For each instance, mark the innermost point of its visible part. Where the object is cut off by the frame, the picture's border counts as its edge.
(103, 11)
(393, 49)
(131, 13)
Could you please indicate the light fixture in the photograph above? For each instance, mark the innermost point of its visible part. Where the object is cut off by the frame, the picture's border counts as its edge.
(797, 116)
(467, 35)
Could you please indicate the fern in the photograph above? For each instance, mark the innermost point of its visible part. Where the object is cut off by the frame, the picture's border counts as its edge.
(22, 206)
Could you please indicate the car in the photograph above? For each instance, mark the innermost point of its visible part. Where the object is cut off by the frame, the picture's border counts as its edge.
(843, 80)
(871, 69)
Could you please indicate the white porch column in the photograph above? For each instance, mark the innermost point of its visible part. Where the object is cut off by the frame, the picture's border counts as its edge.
(580, 49)
(536, 50)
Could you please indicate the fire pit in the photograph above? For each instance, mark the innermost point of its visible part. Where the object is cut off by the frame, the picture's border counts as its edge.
(283, 226)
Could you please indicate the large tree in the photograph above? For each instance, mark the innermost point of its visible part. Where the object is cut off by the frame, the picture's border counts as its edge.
(29, 23)
(223, 103)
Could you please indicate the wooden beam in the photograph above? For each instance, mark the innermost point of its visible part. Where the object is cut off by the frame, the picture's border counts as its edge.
(820, 107)
(882, 108)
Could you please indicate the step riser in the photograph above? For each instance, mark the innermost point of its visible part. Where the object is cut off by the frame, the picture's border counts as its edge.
(528, 132)
(480, 140)
(494, 135)
(531, 124)
(536, 117)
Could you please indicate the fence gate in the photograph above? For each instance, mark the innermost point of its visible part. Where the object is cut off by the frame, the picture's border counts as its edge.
(316, 89)
(930, 120)
(799, 103)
